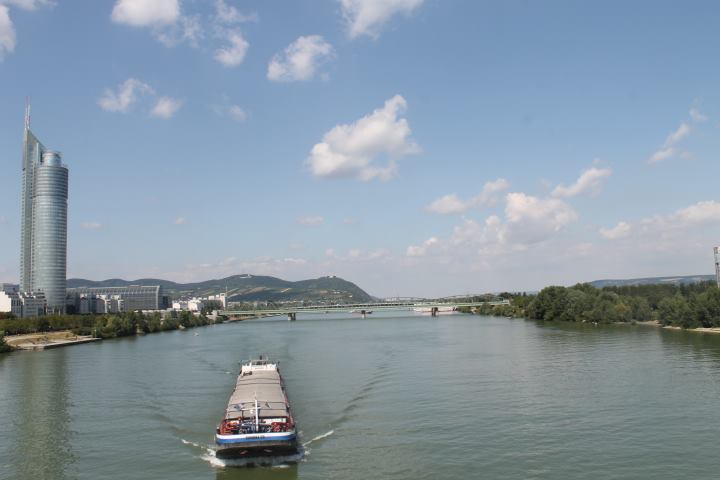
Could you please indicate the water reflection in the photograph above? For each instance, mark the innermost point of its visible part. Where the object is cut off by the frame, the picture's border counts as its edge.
(284, 472)
(41, 427)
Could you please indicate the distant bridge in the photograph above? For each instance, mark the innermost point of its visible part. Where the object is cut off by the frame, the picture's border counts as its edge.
(361, 308)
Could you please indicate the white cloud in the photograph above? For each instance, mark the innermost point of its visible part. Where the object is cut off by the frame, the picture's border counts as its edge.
(300, 59)
(91, 225)
(352, 151)
(662, 154)
(166, 107)
(124, 97)
(145, 13)
(233, 54)
(7, 33)
(668, 149)
(451, 203)
(531, 220)
(229, 109)
(186, 28)
(589, 182)
(179, 221)
(682, 131)
(237, 113)
(697, 116)
(421, 250)
(230, 15)
(699, 213)
(311, 220)
(448, 204)
(367, 17)
(621, 230)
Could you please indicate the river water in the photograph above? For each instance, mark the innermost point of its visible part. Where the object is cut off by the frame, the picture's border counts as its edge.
(394, 396)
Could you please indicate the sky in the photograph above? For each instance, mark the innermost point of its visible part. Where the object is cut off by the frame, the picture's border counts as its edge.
(414, 147)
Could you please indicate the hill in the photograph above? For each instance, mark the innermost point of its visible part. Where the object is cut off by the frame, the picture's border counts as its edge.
(248, 288)
(687, 279)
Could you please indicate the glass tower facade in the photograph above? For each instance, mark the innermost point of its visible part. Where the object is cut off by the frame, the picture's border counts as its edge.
(43, 246)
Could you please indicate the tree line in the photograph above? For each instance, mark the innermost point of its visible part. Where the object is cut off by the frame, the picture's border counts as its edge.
(102, 326)
(687, 306)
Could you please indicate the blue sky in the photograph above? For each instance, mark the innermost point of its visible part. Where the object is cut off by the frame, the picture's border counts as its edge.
(416, 147)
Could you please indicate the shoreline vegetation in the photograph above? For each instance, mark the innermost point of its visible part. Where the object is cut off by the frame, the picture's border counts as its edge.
(688, 307)
(105, 326)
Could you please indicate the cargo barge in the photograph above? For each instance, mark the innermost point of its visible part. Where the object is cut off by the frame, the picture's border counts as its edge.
(258, 421)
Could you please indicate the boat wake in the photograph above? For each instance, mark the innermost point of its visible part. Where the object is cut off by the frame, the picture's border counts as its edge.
(208, 454)
(318, 438)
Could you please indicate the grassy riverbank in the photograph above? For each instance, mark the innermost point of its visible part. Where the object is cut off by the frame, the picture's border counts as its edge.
(683, 306)
(100, 326)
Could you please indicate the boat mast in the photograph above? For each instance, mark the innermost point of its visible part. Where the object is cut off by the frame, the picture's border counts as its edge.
(257, 417)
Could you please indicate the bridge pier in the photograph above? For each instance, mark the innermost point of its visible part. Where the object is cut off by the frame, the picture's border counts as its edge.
(364, 315)
(292, 316)
(434, 311)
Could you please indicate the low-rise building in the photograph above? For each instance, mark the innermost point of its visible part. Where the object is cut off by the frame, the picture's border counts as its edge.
(22, 304)
(10, 303)
(119, 299)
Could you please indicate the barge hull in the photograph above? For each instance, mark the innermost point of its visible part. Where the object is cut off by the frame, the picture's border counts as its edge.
(257, 449)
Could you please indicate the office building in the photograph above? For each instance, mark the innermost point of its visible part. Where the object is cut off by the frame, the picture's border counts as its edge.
(21, 304)
(43, 245)
(109, 299)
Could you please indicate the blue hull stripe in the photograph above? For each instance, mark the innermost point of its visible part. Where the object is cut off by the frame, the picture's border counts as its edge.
(225, 441)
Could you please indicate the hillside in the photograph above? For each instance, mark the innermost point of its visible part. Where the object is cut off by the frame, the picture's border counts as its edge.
(248, 288)
(653, 280)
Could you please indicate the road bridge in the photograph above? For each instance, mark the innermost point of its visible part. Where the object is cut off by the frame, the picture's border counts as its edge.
(431, 307)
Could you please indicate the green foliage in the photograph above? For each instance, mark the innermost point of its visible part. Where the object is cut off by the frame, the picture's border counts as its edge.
(103, 326)
(4, 347)
(685, 305)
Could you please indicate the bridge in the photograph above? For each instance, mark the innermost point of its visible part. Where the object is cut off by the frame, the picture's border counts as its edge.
(433, 308)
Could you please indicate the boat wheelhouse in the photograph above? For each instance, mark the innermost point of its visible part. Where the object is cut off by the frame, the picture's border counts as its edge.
(258, 421)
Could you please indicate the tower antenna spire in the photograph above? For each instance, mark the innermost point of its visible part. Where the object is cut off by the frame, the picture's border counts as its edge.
(27, 113)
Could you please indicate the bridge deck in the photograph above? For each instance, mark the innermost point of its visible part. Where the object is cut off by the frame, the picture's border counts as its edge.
(359, 307)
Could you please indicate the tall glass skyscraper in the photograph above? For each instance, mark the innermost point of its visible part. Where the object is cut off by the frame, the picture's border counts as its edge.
(43, 245)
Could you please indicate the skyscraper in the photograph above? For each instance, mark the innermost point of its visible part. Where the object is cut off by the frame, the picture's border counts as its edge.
(43, 245)
(717, 265)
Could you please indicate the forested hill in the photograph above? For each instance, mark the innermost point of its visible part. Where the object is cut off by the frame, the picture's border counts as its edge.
(682, 280)
(247, 288)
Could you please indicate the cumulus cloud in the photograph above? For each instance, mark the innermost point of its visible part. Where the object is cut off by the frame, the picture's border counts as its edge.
(451, 203)
(621, 230)
(311, 220)
(531, 219)
(233, 54)
(126, 94)
(229, 109)
(230, 15)
(354, 150)
(300, 59)
(166, 107)
(29, 4)
(146, 13)
(91, 225)
(179, 221)
(589, 182)
(367, 17)
(7, 33)
(669, 148)
(421, 250)
(692, 217)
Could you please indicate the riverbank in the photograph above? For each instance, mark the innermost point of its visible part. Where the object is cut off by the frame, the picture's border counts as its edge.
(47, 340)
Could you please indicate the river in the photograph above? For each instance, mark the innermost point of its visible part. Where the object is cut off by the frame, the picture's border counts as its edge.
(392, 396)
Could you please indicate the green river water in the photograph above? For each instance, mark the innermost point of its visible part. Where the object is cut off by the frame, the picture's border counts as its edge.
(395, 396)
